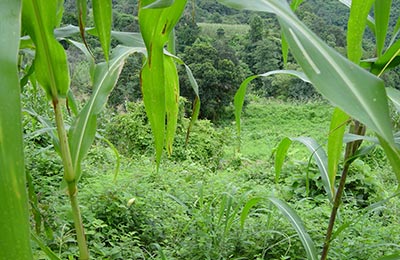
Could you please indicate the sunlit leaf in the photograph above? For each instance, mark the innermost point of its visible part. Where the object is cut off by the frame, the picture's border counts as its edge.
(298, 225)
(349, 87)
(335, 143)
(156, 33)
(370, 20)
(39, 20)
(359, 11)
(102, 13)
(280, 155)
(83, 129)
(14, 218)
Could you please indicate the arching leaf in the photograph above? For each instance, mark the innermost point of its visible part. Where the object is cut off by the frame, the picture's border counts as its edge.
(298, 225)
(83, 129)
(349, 87)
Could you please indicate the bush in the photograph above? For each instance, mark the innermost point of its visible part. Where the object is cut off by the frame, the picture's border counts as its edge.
(130, 132)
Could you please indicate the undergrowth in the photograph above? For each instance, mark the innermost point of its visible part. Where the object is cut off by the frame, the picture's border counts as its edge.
(191, 208)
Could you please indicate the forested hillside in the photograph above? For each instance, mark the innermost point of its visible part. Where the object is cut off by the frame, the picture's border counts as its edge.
(223, 46)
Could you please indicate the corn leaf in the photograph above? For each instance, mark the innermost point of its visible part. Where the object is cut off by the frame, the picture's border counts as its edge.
(280, 156)
(195, 87)
(156, 26)
(396, 31)
(83, 129)
(359, 11)
(382, 15)
(349, 87)
(298, 225)
(246, 210)
(335, 143)
(370, 19)
(39, 20)
(171, 100)
(14, 219)
(321, 159)
(390, 59)
(102, 13)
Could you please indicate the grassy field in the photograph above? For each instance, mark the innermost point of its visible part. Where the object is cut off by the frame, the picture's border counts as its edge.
(210, 29)
(189, 210)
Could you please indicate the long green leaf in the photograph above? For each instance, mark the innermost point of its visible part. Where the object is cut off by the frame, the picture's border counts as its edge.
(396, 31)
(335, 143)
(241, 92)
(349, 87)
(102, 13)
(83, 129)
(321, 159)
(171, 100)
(280, 156)
(45, 249)
(382, 15)
(39, 20)
(390, 59)
(246, 210)
(370, 21)
(359, 11)
(298, 225)
(156, 26)
(14, 219)
(195, 87)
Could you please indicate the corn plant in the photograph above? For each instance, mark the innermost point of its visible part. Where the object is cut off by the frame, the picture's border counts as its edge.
(353, 86)
(38, 22)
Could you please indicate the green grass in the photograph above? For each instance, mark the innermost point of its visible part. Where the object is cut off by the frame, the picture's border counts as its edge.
(266, 123)
(231, 30)
(189, 210)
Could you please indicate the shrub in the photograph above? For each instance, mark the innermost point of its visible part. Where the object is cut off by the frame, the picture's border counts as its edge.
(130, 132)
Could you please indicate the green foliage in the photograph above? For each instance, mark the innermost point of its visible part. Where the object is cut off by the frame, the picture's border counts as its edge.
(218, 74)
(131, 134)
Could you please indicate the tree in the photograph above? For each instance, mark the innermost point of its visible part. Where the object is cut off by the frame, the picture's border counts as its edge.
(218, 74)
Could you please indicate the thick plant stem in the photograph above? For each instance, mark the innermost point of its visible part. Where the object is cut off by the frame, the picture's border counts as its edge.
(69, 177)
(351, 149)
